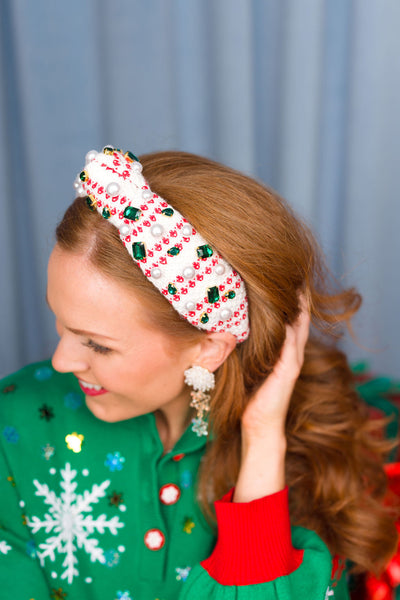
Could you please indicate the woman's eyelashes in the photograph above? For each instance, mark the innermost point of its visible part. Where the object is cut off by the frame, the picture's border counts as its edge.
(97, 348)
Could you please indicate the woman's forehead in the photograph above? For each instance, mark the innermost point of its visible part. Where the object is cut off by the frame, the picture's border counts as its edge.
(79, 293)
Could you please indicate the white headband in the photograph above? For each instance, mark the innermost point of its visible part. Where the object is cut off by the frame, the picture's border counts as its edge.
(201, 286)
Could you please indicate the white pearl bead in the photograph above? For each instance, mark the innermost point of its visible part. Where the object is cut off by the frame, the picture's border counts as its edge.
(157, 230)
(156, 273)
(190, 305)
(91, 155)
(124, 229)
(219, 269)
(188, 272)
(81, 192)
(147, 194)
(187, 230)
(226, 314)
(112, 188)
(76, 184)
(136, 166)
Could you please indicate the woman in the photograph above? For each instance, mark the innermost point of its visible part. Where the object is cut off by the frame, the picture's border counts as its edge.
(201, 322)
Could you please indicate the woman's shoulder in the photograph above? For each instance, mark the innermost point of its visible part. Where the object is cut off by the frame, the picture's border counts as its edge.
(37, 382)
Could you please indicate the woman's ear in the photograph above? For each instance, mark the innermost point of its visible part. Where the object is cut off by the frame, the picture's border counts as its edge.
(214, 349)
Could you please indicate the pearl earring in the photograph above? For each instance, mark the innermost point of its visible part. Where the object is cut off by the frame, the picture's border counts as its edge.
(202, 381)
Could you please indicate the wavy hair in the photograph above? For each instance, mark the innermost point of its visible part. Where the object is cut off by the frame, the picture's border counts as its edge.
(334, 454)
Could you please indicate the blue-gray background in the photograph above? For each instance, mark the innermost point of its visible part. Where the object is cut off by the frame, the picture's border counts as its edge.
(303, 94)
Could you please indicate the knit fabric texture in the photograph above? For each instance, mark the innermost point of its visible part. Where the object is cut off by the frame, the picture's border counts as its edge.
(90, 509)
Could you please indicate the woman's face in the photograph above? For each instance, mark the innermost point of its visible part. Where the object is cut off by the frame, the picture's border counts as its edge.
(124, 366)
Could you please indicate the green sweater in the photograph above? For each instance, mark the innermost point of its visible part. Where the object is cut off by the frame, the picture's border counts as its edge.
(94, 510)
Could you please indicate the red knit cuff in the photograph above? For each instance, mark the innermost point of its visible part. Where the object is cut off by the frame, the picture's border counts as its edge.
(254, 541)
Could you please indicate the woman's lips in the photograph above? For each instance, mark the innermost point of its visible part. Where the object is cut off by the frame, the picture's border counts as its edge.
(90, 389)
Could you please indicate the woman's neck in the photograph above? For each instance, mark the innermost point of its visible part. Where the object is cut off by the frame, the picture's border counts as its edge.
(171, 426)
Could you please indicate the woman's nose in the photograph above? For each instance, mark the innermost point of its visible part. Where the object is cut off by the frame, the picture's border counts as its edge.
(69, 357)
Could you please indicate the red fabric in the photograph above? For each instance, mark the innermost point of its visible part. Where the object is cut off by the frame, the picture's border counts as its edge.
(254, 541)
(376, 589)
(393, 472)
(382, 588)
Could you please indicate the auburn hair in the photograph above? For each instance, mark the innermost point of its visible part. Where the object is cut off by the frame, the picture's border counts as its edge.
(334, 456)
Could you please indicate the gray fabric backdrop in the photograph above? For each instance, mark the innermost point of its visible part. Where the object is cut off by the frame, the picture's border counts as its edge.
(304, 94)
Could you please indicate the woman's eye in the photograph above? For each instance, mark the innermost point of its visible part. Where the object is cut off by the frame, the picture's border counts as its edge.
(97, 348)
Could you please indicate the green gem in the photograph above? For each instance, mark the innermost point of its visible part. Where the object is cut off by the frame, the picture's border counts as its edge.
(106, 212)
(138, 250)
(108, 150)
(131, 156)
(213, 294)
(83, 176)
(168, 212)
(91, 202)
(174, 251)
(204, 318)
(204, 251)
(172, 289)
(231, 294)
(132, 213)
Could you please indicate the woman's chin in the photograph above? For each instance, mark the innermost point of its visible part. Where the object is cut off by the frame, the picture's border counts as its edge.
(107, 413)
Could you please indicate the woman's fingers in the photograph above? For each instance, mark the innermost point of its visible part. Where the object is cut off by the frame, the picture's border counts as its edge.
(292, 353)
(302, 327)
(269, 405)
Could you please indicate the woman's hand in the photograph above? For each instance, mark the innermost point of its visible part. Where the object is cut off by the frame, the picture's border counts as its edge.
(268, 408)
(262, 468)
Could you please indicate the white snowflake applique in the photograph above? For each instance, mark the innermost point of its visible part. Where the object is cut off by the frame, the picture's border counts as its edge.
(4, 547)
(71, 526)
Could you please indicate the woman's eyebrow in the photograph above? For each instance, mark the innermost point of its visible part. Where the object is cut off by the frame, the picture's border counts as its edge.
(90, 333)
(83, 331)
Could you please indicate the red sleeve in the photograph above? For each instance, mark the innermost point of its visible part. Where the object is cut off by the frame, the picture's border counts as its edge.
(254, 541)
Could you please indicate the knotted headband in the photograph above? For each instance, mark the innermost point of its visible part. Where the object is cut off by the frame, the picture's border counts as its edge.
(201, 286)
